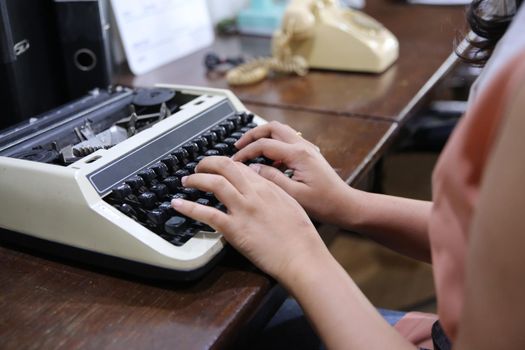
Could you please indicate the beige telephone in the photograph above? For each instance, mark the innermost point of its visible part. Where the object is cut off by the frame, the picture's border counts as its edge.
(322, 34)
(331, 37)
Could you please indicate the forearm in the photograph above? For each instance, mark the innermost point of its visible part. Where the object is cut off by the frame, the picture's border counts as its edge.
(337, 309)
(398, 223)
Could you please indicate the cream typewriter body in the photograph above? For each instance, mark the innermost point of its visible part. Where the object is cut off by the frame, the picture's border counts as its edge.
(95, 199)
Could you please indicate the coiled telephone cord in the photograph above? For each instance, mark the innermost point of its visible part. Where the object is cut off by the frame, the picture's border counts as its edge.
(283, 61)
(259, 68)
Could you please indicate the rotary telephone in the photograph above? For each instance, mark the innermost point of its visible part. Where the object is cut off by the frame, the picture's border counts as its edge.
(322, 34)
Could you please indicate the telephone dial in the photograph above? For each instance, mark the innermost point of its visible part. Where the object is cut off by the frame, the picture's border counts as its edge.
(322, 34)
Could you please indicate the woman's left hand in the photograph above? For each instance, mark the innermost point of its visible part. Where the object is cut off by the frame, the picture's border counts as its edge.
(263, 222)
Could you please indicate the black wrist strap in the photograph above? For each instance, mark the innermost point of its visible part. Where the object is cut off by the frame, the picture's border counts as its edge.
(439, 338)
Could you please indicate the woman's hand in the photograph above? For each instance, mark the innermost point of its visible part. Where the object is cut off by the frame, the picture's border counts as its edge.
(314, 183)
(263, 222)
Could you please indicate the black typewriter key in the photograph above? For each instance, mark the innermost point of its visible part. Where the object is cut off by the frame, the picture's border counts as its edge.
(135, 182)
(212, 152)
(175, 225)
(192, 148)
(221, 207)
(245, 117)
(202, 142)
(167, 208)
(211, 137)
(160, 190)
(210, 196)
(236, 121)
(230, 141)
(181, 173)
(182, 155)
(171, 162)
(148, 200)
(191, 193)
(189, 232)
(133, 201)
(203, 201)
(251, 125)
(220, 131)
(249, 117)
(229, 126)
(199, 158)
(191, 167)
(245, 129)
(173, 183)
(148, 175)
(241, 115)
(120, 192)
(222, 148)
(183, 237)
(179, 195)
(160, 169)
(201, 226)
(127, 210)
(236, 135)
(260, 160)
(157, 217)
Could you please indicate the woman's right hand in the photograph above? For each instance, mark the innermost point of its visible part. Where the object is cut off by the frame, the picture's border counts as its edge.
(314, 184)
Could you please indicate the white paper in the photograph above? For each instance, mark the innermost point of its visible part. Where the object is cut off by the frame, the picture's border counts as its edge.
(155, 32)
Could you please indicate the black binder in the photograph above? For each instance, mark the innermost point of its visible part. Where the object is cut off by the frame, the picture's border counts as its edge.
(84, 35)
(30, 74)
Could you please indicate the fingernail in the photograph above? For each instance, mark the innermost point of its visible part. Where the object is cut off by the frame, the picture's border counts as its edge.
(236, 143)
(255, 167)
(183, 180)
(177, 202)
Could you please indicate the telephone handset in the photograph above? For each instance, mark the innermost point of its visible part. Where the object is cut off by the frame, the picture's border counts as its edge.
(322, 34)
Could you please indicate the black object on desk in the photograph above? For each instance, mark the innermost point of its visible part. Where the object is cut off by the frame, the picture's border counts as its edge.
(30, 74)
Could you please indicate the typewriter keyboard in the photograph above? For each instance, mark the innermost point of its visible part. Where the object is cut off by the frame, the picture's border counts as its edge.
(146, 196)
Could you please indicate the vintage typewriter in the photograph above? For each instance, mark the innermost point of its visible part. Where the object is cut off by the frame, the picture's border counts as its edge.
(94, 178)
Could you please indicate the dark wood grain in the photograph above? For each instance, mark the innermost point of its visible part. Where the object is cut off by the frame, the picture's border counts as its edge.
(53, 305)
(425, 33)
(49, 303)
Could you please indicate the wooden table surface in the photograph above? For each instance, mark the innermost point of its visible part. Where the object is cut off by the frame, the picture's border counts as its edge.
(55, 304)
(425, 34)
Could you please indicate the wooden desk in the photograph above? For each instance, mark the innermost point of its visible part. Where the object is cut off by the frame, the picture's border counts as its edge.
(48, 304)
(425, 34)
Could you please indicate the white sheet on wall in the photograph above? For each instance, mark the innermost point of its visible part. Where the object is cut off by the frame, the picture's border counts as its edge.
(155, 32)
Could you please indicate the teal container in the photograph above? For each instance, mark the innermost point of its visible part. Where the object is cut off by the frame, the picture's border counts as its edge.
(262, 17)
